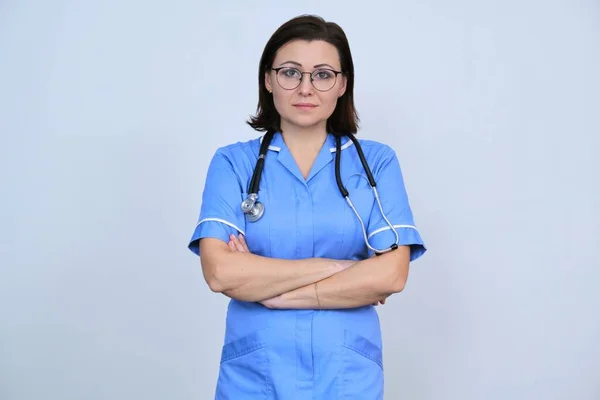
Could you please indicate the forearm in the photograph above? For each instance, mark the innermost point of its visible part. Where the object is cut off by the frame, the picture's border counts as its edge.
(364, 283)
(248, 277)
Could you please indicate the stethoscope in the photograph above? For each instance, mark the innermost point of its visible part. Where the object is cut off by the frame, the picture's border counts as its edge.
(254, 209)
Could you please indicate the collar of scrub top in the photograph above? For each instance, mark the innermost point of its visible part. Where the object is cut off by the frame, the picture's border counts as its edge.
(326, 154)
(278, 143)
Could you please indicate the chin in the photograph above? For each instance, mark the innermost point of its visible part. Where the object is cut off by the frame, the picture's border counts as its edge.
(305, 122)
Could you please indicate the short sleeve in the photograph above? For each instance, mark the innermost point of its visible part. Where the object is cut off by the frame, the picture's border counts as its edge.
(396, 207)
(220, 212)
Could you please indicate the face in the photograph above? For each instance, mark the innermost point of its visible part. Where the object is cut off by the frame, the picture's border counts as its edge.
(305, 106)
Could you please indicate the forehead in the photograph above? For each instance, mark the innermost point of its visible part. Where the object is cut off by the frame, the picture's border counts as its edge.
(308, 53)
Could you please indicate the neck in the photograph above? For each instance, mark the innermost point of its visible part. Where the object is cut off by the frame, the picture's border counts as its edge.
(297, 139)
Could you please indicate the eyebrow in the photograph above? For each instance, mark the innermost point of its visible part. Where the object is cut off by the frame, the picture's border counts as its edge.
(299, 65)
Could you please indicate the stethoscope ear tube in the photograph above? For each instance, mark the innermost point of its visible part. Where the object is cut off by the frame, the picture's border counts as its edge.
(363, 160)
(260, 163)
(338, 178)
(251, 207)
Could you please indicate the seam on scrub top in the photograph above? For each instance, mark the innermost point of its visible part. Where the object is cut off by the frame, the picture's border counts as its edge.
(223, 222)
(268, 381)
(386, 228)
(363, 354)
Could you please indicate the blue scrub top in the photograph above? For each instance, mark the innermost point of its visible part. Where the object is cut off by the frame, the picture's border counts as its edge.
(304, 354)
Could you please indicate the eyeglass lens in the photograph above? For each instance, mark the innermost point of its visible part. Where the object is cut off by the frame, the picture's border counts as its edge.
(322, 79)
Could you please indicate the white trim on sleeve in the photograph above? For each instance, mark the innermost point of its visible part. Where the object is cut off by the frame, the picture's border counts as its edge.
(387, 228)
(223, 222)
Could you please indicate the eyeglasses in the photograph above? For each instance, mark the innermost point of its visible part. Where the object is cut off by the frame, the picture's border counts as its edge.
(322, 79)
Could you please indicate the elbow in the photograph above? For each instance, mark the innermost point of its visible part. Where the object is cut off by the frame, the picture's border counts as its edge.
(214, 279)
(394, 267)
(397, 285)
(394, 281)
(218, 285)
(216, 264)
(215, 285)
(219, 281)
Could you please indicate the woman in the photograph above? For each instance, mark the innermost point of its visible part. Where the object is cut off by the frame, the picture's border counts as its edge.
(301, 277)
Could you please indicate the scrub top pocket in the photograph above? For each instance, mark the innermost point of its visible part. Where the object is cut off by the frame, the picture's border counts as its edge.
(244, 370)
(362, 368)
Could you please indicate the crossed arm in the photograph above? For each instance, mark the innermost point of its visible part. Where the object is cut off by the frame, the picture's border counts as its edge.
(311, 283)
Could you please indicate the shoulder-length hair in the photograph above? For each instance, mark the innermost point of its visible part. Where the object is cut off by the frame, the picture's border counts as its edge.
(344, 119)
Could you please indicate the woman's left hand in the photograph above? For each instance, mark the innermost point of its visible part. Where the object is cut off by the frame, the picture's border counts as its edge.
(238, 243)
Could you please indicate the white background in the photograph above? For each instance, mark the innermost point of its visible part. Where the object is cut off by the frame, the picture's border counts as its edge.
(110, 112)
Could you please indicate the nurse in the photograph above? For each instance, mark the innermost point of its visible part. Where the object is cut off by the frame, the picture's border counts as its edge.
(303, 278)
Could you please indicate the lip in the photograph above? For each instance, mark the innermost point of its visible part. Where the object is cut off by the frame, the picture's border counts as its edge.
(305, 105)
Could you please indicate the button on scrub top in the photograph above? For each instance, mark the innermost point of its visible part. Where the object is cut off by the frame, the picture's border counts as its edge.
(304, 354)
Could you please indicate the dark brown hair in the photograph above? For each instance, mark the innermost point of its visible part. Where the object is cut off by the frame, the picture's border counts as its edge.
(344, 119)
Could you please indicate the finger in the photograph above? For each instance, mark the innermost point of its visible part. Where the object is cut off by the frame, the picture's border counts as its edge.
(231, 246)
(238, 245)
(243, 242)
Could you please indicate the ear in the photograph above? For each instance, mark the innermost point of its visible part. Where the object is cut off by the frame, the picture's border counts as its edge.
(268, 84)
(343, 83)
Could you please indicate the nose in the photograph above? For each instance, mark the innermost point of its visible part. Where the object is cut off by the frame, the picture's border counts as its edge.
(306, 86)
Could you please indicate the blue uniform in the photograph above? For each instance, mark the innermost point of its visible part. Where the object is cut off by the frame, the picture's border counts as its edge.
(304, 354)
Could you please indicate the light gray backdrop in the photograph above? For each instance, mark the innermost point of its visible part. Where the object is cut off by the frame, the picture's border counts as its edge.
(110, 112)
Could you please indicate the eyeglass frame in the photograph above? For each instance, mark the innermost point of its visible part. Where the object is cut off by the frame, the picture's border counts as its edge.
(336, 73)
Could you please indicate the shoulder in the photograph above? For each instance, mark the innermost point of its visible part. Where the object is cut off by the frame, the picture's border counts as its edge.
(376, 146)
(234, 159)
(239, 147)
(238, 151)
(377, 153)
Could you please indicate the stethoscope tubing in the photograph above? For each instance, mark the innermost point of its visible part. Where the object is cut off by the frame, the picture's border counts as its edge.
(253, 209)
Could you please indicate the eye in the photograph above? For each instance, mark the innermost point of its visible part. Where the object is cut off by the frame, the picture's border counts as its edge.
(323, 74)
(290, 72)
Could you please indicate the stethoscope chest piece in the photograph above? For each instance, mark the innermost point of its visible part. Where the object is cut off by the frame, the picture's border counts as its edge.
(252, 208)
